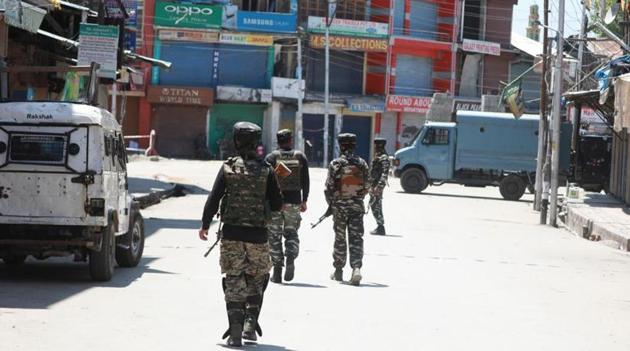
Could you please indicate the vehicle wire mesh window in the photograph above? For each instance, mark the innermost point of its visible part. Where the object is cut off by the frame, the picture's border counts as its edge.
(440, 137)
(49, 149)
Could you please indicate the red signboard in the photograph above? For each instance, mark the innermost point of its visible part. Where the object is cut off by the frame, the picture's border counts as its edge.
(410, 104)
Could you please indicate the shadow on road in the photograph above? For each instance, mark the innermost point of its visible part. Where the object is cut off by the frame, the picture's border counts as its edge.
(305, 285)
(152, 225)
(147, 185)
(255, 346)
(462, 196)
(38, 285)
(367, 285)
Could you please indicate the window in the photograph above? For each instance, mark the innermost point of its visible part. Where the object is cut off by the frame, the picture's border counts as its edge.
(436, 136)
(47, 148)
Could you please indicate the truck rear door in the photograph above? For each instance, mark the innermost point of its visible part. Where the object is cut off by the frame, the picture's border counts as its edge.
(438, 152)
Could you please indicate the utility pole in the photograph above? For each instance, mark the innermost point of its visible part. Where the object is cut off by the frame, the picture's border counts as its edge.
(577, 107)
(557, 101)
(299, 125)
(542, 123)
(332, 8)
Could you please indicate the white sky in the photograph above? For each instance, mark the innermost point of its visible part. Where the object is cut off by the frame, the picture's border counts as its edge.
(571, 20)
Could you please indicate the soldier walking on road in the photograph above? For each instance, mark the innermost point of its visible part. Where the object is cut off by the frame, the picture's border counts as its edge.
(295, 188)
(379, 171)
(346, 187)
(247, 190)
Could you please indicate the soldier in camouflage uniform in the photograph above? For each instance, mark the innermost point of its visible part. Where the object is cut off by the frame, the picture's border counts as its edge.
(246, 189)
(379, 171)
(346, 187)
(295, 189)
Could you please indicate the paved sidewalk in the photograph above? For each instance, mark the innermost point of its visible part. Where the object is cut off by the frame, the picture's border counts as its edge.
(600, 217)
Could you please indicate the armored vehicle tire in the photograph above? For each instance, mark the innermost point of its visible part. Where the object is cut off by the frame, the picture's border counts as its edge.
(130, 246)
(512, 187)
(414, 180)
(14, 260)
(102, 262)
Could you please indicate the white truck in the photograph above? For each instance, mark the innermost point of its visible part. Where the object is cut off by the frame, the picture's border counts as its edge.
(63, 187)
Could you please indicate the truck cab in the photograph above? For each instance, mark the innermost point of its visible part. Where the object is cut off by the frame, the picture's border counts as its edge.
(64, 189)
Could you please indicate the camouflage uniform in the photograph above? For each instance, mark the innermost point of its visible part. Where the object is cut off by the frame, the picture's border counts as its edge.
(346, 201)
(379, 171)
(285, 224)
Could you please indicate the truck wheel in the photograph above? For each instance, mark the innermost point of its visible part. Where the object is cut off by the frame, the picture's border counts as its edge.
(131, 245)
(14, 260)
(414, 180)
(512, 187)
(102, 262)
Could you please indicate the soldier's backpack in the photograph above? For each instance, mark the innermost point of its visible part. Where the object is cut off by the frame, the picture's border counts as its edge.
(290, 159)
(244, 202)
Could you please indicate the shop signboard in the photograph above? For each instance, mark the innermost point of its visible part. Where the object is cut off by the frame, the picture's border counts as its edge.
(366, 104)
(246, 39)
(181, 15)
(409, 104)
(318, 41)
(288, 88)
(349, 27)
(195, 96)
(482, 47)
(241, 94)
(99, 44)
(188, 35)
(466, 105)
(266, 22)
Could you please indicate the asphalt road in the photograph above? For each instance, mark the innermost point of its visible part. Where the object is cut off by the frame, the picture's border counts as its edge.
(461, 269)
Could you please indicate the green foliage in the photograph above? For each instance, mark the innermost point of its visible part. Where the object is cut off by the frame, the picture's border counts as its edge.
(615, 27)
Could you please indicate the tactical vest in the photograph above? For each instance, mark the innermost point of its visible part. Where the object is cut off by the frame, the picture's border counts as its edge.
(290, 159)
(352, 181)
(244, 202)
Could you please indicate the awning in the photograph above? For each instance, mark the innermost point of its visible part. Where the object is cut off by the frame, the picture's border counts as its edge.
(80, 8)
(590, 98)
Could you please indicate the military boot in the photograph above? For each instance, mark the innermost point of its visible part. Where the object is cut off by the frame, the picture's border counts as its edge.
(337, 274)
(236, 316)
(277, 275)
(380, 230)
(252, 311)
(356, 277)
(290, 270)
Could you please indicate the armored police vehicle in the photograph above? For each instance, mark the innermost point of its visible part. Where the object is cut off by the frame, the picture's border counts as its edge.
(480, 149)
(63, 187)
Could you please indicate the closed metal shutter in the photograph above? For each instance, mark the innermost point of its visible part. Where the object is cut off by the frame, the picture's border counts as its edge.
(413, 76)
(423, 19)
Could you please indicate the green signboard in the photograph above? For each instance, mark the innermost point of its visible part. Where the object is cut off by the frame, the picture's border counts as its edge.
(170, 14)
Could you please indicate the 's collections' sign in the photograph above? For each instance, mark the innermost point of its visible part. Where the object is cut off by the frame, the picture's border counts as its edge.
(349, 27)
(99, 44)
(243, 94)
(350, 43)
(482, 47)
(172, 14)
(287, 87)
(246, 39)
(180, 95)
(266, 22)
(188, 35)
(410, 104)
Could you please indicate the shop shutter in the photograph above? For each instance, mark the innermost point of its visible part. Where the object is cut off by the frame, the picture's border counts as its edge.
(413, 76)
(192, 64)
(399, 17)
(423, 19)
(241, 65)
(346, 71)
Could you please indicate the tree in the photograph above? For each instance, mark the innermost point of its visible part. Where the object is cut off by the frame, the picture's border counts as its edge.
(615, 27)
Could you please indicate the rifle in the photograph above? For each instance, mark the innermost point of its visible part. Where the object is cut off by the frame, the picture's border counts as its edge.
(322, 218)
(219, 237)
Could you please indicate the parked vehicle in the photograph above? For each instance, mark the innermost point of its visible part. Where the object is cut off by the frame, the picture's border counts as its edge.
(480, 149)
(63, 187)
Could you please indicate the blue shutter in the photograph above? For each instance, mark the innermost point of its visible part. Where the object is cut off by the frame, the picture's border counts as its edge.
(192, 64)
(423, 19)
(399, 16)
(243, 65)
(413, 76)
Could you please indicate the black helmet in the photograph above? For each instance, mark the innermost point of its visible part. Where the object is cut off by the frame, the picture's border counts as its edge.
(347, 140)
(380, 141)
(246, 136)
(284, 136)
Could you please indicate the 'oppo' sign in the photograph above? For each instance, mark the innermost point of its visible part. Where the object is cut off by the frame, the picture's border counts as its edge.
(202, 16)
(189, 10)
